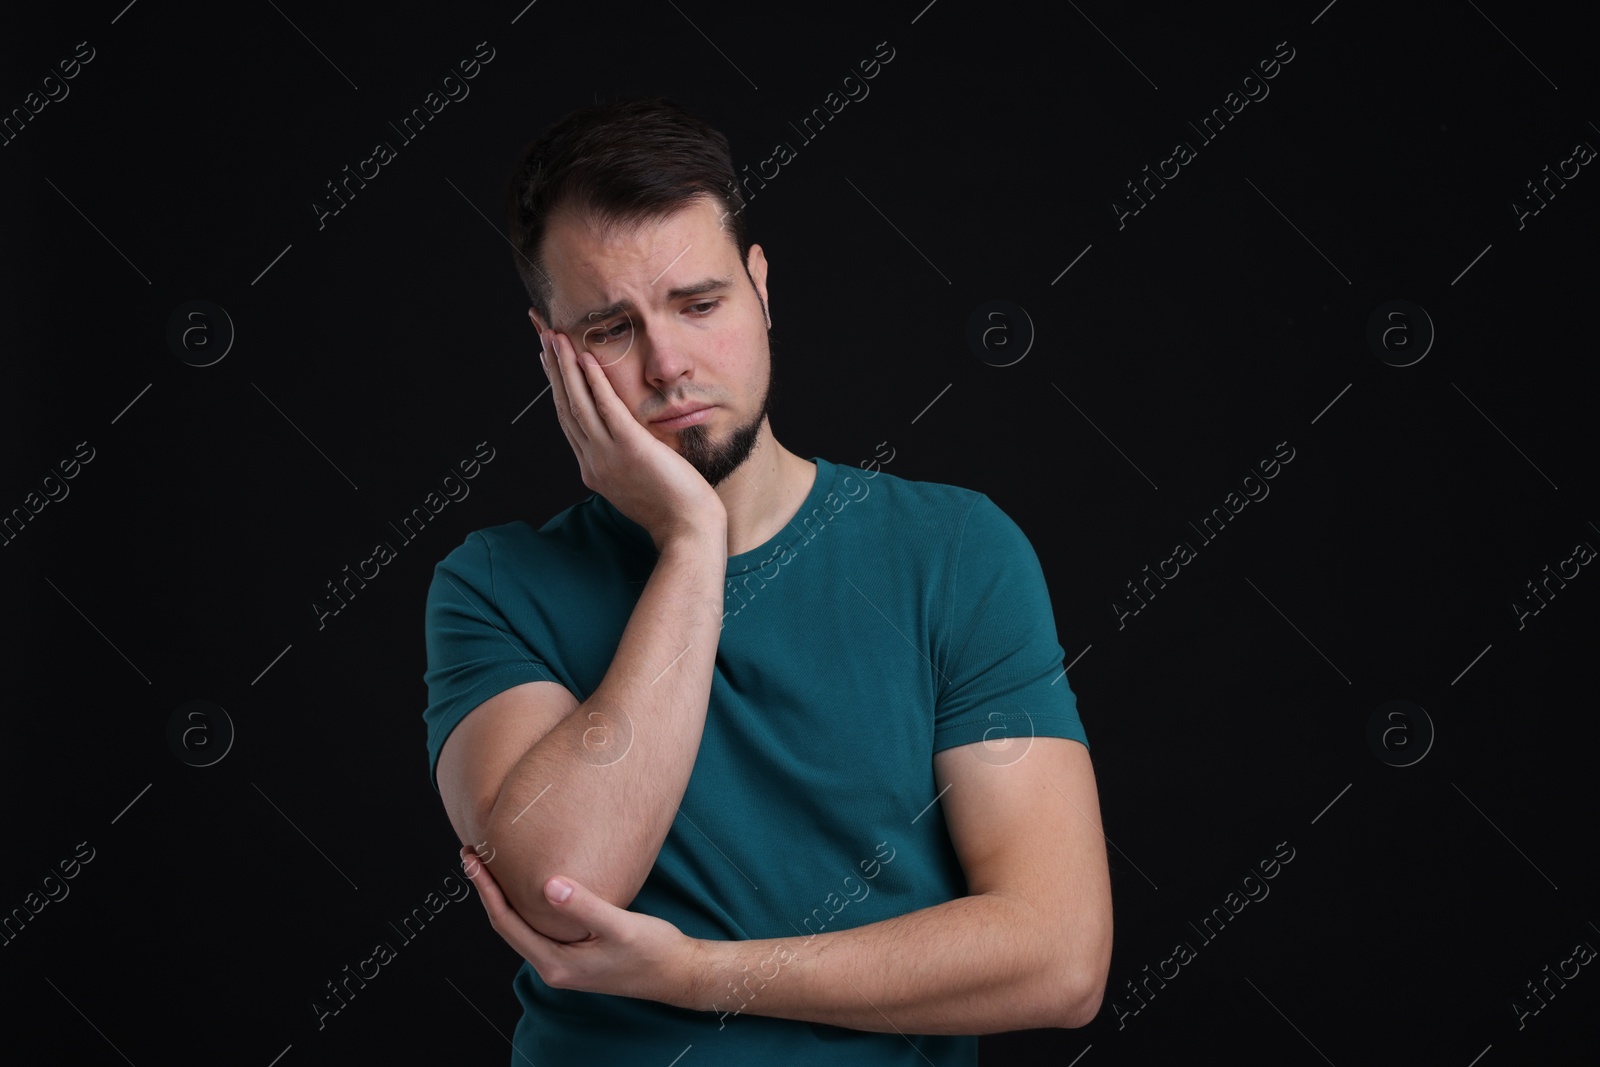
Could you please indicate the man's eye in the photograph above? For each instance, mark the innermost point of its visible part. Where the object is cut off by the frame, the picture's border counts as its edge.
(607, 333)
(705, 307)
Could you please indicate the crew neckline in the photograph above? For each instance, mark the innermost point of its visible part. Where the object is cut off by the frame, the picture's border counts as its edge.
(823, 484)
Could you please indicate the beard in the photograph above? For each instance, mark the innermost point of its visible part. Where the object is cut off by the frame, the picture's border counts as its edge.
(716, 460)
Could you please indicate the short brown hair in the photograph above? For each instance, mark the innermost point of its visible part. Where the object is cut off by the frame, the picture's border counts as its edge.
(632, 160)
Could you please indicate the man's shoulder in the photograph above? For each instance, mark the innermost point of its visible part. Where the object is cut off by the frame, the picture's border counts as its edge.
(942, 516)
(929, 498)
(580, 529)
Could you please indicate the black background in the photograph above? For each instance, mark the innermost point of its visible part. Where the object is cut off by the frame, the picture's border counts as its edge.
(1229, 315)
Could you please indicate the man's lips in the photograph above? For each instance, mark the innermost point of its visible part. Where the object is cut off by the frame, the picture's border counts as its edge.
(685, 417)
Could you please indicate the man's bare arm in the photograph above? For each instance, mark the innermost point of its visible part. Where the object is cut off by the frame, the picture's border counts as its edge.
(596, 794)
(1029, 947)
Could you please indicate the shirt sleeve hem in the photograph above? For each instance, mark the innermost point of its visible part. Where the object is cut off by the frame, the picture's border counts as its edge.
(965, 733)
(486, 687)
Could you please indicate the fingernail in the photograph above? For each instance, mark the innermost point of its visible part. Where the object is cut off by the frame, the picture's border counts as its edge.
(560, 891)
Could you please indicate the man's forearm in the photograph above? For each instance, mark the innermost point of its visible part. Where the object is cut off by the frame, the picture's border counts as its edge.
(596, 796)
(978, 964)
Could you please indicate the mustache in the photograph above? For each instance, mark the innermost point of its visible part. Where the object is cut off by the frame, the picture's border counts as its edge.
(663, 401)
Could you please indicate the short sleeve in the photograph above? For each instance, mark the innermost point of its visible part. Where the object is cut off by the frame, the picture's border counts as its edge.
(472, 652)
(1001, 663)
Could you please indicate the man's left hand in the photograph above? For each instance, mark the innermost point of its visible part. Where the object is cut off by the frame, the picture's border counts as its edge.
(626, 954)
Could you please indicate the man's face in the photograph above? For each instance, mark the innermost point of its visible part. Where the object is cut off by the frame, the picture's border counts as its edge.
(673, 319)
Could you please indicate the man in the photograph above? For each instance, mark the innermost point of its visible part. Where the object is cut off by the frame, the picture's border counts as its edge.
(764, 757)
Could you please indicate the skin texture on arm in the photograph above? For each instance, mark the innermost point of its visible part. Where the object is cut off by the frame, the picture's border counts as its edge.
(1029, 947)
(569, 801)
(596, 794)
(535, 802)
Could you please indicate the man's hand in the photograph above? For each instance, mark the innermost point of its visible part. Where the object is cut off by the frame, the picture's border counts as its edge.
(626, 954)
(645, 478)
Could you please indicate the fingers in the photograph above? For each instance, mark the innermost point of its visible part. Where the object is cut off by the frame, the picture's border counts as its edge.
(482, 881)
(612, 412)
(593, 405)
(579, 398)
(562, 389)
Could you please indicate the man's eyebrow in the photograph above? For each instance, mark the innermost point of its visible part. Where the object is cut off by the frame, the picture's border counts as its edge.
(706, 285)
(598, 314)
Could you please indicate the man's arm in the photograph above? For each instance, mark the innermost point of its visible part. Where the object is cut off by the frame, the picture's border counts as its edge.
(594, 786)
(596, 794)
(1029, 947)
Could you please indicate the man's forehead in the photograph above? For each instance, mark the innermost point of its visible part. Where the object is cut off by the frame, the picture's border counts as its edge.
(588, 234)
(593, 267)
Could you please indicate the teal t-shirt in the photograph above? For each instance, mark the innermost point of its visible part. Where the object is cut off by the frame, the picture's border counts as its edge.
(889, 620)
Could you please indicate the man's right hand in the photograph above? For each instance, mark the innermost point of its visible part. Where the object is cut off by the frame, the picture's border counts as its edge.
(645, 478)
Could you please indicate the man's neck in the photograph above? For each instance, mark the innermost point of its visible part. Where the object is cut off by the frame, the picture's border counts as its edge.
(764, 493)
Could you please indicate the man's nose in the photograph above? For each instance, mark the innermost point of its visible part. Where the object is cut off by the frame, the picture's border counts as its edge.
(666, 356)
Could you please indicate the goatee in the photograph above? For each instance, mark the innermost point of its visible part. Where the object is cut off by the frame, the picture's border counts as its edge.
(716, 461)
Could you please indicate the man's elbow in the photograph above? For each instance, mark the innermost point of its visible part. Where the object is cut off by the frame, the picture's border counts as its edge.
(521, 873)
(537, 853)
(1080, 985)
(1081, 1004)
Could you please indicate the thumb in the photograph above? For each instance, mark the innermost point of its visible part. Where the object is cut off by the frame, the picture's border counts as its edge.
(570, 896)
(589, 910)
(594, 913)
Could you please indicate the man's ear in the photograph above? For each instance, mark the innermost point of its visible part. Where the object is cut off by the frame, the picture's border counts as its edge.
(756, 267)
(538, 323)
